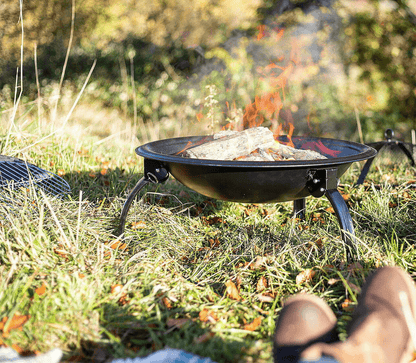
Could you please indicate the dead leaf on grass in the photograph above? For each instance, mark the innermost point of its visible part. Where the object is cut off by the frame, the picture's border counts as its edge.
(253, 325)
(305, 276)
(261, 284)
(17, 322)
(232, 291)
(41, 290)
(347, 305)
(205, 315)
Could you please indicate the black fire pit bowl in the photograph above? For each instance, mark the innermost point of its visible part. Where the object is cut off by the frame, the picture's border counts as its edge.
(252, 181)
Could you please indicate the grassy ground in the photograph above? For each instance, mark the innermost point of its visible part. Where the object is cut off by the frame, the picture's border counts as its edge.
(191, 273)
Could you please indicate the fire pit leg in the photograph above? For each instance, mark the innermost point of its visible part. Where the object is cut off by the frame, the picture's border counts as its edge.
(154, 172)
(345, 221)
(139, 186)
(299, 208)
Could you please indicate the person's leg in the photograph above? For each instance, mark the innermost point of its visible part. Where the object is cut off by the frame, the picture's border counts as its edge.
(304, 320)
(379, 330)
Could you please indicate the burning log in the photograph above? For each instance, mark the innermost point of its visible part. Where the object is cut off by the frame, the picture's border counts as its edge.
(254, 144)
(233, 145)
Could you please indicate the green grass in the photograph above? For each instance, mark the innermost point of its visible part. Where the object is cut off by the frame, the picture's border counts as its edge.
(113, 298)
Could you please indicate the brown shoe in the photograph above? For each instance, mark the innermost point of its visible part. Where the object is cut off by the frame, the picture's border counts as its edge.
(304, 320)
(378, 331)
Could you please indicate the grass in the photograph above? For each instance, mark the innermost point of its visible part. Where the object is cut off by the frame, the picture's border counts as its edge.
(192, 273)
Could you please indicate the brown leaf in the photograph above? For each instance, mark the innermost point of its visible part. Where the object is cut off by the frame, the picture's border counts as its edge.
(265, 298)
(116, 289)
(333, 281)
(261, 284)
(103, 171)
(16, 322)
(253, 325)
(214, 242)
(206, 315)
(231, 291)
(167, 302)
(346, 197)
(305, 276)
(61, 172)
(92, 174)
(392, 205)
(117, 244)
(257, 263)
(41, 290)
(347, 305)
(330, 210)
(138, 225)
(177, 323)
(204, 337)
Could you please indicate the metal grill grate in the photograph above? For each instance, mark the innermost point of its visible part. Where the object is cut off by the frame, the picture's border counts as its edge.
(15, 173)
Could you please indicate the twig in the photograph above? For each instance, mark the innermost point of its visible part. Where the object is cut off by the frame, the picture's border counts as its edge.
(360, 132)
(38, 87)
(71, 36)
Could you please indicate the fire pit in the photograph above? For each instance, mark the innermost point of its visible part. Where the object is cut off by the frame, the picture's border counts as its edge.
(253, 181)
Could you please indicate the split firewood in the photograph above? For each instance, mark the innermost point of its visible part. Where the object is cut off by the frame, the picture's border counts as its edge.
(254, 144)
(234, 145)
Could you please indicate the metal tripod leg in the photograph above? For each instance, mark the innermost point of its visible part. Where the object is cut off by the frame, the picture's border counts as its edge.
(345, 222)
(154, 172)
(139, 186)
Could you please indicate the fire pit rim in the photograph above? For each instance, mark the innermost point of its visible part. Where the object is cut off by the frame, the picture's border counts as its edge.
(364, 152)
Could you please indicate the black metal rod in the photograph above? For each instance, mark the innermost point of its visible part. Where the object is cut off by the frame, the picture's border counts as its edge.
(139, 186)
(364, 171)
(345, 221)
(299, 208)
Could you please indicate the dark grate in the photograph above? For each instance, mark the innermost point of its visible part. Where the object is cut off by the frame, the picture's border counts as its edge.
(15, 174)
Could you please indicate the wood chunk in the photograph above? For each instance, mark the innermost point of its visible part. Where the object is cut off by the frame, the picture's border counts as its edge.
(288, 152)
(233, 146)
(254, 144)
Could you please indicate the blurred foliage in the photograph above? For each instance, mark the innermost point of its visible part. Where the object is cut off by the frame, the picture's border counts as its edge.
(380, 39)
(156, 58)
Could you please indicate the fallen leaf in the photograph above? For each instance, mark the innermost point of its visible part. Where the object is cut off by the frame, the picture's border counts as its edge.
(61, 172)
(116, 289)
(257, 263)
(103, 171)
(333, 281)
(347, 305)
(138, 225)
(231, 291)
(261, 284)
(117, 245)
(346, 197)
(206, 315)
(305, 276)
(41, 290)
(177, 323)
(16, 322)
(214, 242)
(253, 325)
(392, 205)
(166, 302)
(330, 210)
(92, 174)
(204, 337)
(265, 298)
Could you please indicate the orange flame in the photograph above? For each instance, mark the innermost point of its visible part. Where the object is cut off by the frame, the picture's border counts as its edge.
(268, 105)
